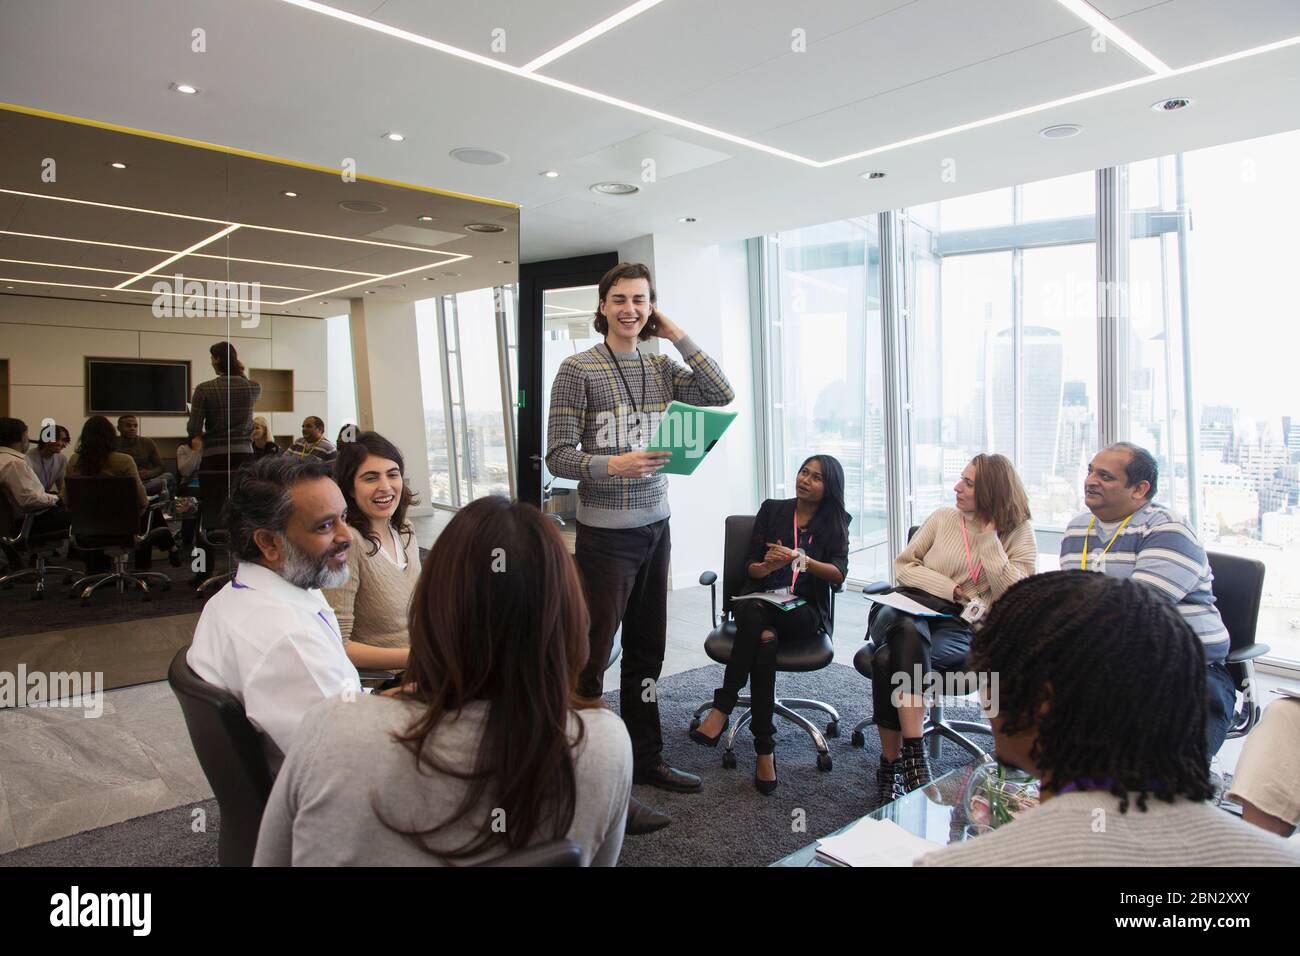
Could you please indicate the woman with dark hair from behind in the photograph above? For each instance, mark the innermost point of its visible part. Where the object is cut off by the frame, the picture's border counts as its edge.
(384, 560)
(800, 544)
(958, 564)
(221, 411)
(486, 749)
(1101, 694)
(95, 456)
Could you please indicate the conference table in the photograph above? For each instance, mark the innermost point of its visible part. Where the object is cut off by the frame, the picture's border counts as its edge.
(941, 811)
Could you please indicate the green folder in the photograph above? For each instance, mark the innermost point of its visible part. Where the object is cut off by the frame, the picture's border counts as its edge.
(689, 432)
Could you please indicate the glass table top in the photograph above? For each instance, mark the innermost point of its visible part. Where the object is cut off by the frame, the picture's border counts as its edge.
(951, 808)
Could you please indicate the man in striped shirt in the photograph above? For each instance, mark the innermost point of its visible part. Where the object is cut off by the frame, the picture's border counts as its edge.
(1126, 534)
(604, 405)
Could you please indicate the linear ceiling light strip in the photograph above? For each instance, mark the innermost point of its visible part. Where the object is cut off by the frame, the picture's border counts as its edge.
(180, 255)
(1106, 27)
(586, 36)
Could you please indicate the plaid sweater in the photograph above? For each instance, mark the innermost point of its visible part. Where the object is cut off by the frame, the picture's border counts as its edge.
(1160, 549)
(221, 410)
(590, 408)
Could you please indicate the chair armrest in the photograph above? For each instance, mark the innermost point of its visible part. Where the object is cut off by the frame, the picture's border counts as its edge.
(710, 578)
(1249, 652)
(877, 587)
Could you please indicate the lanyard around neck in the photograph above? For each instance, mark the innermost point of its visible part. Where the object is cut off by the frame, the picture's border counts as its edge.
(618, 367)
(1083, 561)
(794, 565)
(974, 569)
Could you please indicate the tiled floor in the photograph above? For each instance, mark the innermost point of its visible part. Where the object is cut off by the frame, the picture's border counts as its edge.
(61, 773)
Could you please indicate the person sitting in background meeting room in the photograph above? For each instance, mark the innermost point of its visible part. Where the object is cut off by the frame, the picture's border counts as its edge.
(960, 562)
(313, 443)
(221, 410)
(384, 560)
(144, 453)
(800, 544)
(1267, 781)
(269, 636)
(22, 485)
(1102, 697)
(264, 442)
(96, 456)
(488, 729)
(47, 458)
(1125, 534)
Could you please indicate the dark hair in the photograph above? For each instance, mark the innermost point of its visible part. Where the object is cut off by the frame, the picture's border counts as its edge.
(261, 496)
(999, 494)
(624, 270)
(832, 518)
(319, 422)
(122, 418)
(1141, 467)
(498, 616)
(59, 430)
(95, 445)
(11, 430)
(227, 359)
(352, 454)
(1123, 677)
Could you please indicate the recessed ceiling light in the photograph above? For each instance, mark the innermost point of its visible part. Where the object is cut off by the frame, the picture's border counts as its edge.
(424, 219)
(324, 301)
(430, 278)
(103, 295)
(686, 219)
(875, 174)
(550, 174)
(362, 205)
(615, 189)
(1061, 131)
(479, 156)
(394, 137)
(289, 194)
(484, 227)
(117, 165)
(1171, 104)
(452, 275)
(370, 292)
(187, 88)
(504, 262)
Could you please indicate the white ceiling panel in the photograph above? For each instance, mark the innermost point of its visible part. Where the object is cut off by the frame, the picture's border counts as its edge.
(1058, 68)
(1182, 32)
(1122, 8)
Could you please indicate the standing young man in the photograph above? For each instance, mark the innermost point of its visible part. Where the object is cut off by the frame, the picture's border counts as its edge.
(602, 401)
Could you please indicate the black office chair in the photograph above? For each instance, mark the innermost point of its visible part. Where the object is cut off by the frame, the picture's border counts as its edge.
(1238, 587)
(20, 544)
(213, 535)
(232, 756)
(551, 853)
(936, 726)
(811, 653)
(106, 517)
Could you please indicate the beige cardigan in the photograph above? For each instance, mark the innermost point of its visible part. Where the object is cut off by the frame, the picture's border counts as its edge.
(935, 560)
(372, 606)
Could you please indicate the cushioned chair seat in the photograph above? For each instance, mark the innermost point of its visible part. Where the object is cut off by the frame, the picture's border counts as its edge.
(798, 656)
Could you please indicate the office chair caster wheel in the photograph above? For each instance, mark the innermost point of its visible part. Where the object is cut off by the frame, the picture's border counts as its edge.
(858, 739)
(695, 723)
(833, 729)
(824, 762)
(729, 759)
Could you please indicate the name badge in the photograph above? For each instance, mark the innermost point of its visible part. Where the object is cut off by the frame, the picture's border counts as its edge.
(974, 611)
(800, 560)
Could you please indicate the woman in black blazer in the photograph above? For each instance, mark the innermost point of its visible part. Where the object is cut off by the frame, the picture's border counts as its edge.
(804, 539)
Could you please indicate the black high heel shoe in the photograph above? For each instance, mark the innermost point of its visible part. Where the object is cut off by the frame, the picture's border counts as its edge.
(705, 739)
(765, 787)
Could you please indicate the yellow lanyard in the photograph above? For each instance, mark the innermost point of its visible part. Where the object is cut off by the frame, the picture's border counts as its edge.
(1083, 561)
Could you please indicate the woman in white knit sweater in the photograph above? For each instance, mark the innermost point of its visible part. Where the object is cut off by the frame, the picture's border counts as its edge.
(959, 562)
(384, 559)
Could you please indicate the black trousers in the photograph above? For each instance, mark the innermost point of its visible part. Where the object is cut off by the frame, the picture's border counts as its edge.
(917, 645)
(754, 660)
(625, 578)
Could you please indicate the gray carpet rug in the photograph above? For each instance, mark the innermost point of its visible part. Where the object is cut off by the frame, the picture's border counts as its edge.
(728, 824)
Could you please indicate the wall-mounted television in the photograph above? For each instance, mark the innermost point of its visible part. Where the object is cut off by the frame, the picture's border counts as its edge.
(118, 386)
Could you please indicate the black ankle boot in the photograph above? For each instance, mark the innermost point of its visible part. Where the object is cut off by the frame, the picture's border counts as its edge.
(887, 788)
(914, 765)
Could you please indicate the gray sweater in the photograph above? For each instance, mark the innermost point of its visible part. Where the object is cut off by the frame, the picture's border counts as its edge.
(1085, 828)
(343, 756)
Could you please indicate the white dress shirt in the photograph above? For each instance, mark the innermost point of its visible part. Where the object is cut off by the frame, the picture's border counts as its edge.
(21, 484)
(276, 647)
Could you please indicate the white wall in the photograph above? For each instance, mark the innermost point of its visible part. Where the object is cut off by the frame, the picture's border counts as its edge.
(705, 289)
(47, 341)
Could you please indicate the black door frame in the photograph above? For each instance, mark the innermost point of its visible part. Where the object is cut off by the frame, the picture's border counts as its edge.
(535, 278)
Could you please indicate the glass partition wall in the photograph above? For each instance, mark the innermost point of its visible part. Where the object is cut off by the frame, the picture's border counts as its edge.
(1143, 303)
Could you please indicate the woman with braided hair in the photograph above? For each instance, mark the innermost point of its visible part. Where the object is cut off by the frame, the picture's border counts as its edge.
(1101, 694)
